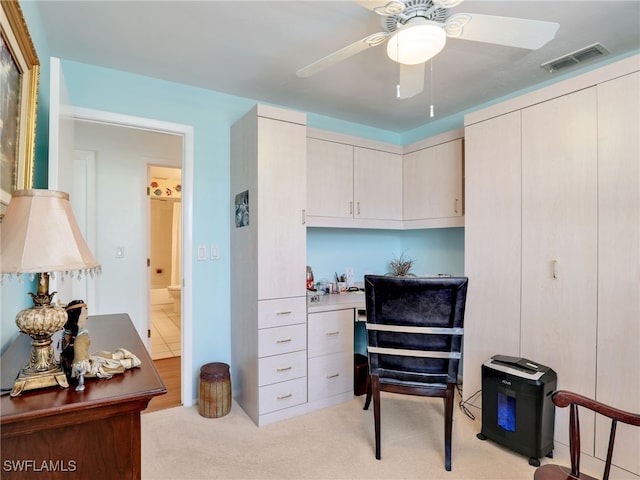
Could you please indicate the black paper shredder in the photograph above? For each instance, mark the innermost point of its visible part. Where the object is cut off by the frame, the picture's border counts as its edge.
(517, 410)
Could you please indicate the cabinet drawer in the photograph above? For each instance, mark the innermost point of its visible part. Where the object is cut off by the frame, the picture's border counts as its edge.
(274, 341)
(282, 311)
(330, 332)
(280, 368)
(282, 395)
(330, 375)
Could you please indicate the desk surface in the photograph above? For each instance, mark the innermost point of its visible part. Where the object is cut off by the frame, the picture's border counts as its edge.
(337, 301)
(108, 332)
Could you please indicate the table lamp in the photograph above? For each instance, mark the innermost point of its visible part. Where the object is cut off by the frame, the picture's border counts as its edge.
(39, 236)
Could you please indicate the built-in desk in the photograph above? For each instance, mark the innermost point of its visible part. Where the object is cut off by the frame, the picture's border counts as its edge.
(337, 301)
(57, 433)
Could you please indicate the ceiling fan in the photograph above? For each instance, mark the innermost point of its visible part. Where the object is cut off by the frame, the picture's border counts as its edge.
(417, 30)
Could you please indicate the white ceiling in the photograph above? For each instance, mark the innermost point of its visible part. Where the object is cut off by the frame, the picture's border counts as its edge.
(253, 49)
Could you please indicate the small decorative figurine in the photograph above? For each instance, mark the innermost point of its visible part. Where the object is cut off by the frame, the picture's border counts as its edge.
(75, 343)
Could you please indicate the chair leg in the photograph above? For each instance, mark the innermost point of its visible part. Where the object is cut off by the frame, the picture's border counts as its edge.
(448, 424)
(375, 387)
(367, 400)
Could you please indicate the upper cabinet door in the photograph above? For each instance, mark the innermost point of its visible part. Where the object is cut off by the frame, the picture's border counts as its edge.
(433, 182)
(377, 188)
(329, 179)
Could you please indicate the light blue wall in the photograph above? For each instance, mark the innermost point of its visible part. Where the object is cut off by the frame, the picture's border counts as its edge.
(332, 250)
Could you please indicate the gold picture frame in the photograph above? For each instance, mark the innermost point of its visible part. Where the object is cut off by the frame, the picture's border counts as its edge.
(19, 68)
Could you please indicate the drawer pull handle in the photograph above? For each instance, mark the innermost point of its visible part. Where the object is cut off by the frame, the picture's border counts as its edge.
(283, 369)
(284, 313)
(350, 208)
(285, 340)
(337, 332)
(282, 397)
(333, 376)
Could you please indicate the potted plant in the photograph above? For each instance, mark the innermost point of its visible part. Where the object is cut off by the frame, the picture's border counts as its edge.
(400, 266)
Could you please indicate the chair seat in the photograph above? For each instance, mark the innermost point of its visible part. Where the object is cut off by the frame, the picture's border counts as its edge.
(558, 472)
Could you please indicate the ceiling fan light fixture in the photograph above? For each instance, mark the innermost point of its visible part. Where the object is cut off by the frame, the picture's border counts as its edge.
(416, 42)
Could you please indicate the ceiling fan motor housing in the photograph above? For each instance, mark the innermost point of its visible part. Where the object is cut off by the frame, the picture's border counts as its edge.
(415, 8)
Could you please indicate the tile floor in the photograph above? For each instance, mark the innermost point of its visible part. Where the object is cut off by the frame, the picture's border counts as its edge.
(165, 332)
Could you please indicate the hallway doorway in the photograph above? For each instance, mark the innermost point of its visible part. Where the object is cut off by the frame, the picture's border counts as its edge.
(141, 140)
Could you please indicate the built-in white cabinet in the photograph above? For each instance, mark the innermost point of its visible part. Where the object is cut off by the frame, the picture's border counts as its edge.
(330, 357)
(433, 180)
(268, 254)
(350, 185)
(552, 243)
(358, 183)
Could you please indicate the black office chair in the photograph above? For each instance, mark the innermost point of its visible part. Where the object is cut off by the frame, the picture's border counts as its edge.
(414, 330)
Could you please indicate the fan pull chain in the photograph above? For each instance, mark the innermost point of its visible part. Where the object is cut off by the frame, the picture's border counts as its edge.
(399, 70)
(431, 113)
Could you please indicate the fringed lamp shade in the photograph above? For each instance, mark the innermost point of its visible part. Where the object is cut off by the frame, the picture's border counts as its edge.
(39, 235)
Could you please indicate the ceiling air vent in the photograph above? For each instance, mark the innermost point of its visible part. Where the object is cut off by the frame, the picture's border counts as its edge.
(574, 58)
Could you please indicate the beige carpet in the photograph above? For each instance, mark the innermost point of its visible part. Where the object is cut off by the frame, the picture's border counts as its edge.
(334, 443)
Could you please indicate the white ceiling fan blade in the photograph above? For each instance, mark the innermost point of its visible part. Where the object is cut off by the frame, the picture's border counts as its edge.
(343, 53)
(411, 80)
(392, 7)
(513, 32)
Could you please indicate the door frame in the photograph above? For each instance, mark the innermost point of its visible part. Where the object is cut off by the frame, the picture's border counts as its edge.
(187, 133)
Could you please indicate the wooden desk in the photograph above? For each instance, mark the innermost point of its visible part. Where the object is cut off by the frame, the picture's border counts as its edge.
(59, 433)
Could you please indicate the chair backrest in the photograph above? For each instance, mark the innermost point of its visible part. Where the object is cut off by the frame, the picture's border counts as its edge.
(415, 326)
(563, 398)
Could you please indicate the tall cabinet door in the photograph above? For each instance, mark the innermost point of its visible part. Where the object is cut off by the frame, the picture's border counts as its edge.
(618, 379)
(492, 244)
(560, 244)
(281, 202)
